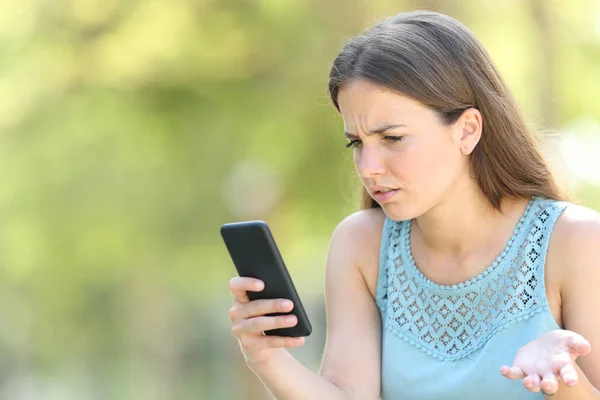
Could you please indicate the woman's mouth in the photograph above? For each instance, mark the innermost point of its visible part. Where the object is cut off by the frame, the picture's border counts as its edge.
(384, 195)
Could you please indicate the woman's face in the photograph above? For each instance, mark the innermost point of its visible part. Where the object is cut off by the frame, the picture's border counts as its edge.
(402, 146)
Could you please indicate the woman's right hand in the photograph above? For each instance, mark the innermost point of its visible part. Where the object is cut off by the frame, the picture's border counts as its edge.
(249, 321)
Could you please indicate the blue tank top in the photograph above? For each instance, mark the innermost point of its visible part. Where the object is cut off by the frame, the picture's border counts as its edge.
(449, 342)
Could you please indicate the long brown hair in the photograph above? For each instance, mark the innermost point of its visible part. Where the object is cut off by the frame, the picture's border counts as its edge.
(434, 59)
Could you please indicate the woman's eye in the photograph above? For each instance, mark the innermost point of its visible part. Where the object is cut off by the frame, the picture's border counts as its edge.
(353, 143)
(394, 138)
(356, 142)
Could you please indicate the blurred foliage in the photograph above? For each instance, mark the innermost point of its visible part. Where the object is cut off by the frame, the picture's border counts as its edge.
(131, 130)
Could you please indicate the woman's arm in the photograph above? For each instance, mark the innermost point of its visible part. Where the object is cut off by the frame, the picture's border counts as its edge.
(287, 379)
(576, 248)
(351, 362)
(353, 352)
(563, 362)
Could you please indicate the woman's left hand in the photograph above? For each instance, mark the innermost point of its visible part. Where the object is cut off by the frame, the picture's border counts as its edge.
(541, 362)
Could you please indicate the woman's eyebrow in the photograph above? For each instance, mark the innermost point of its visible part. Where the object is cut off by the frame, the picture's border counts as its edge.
(379, 130)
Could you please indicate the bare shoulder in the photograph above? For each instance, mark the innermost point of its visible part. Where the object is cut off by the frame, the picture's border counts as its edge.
(358, 237)
(361, 227)
(577, 234)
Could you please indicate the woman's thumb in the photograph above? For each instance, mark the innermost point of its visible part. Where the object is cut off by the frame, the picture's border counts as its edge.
(578, 344)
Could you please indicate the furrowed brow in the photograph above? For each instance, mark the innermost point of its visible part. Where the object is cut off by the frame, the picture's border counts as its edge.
(387, 128)
(376, 131)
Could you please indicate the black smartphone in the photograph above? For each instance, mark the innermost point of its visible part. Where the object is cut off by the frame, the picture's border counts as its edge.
(255, 255)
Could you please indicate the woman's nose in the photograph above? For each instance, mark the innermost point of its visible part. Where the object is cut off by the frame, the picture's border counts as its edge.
(369, 162)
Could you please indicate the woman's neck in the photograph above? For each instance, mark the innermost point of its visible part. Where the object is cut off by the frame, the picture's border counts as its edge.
(465, 221)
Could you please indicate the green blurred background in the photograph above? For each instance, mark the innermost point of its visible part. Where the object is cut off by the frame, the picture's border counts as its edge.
(131, 130)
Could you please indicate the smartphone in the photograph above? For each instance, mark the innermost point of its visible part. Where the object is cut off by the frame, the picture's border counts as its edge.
(255, 255)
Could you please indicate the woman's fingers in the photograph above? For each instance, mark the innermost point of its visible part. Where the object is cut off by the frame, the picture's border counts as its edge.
(578, 344)
(549, 384)
(257, 308)
(238, 287)
(568, 375)
(261, 324)
(282, 341)
(255, 326)
(251, 337)
(532, 383)
(512, 373)
(263, 307)
(546, 361)
(252, 318)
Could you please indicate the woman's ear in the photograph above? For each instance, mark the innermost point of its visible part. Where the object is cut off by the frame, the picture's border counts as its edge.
(471, 126)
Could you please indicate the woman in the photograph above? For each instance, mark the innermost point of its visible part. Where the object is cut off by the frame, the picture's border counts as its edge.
(467, 274)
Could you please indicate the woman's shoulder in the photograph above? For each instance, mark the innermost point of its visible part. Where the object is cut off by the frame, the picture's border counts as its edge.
(357, 241)
(575, 241)
(362, 227)
(578, 225)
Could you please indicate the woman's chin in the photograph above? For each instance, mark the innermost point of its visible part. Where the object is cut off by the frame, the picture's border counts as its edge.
(397, 212)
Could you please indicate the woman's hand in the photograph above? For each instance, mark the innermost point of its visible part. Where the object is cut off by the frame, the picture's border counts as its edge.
(250, 321)
(541, 362)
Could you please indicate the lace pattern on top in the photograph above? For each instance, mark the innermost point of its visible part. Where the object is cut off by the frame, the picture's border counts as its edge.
(449, 322)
